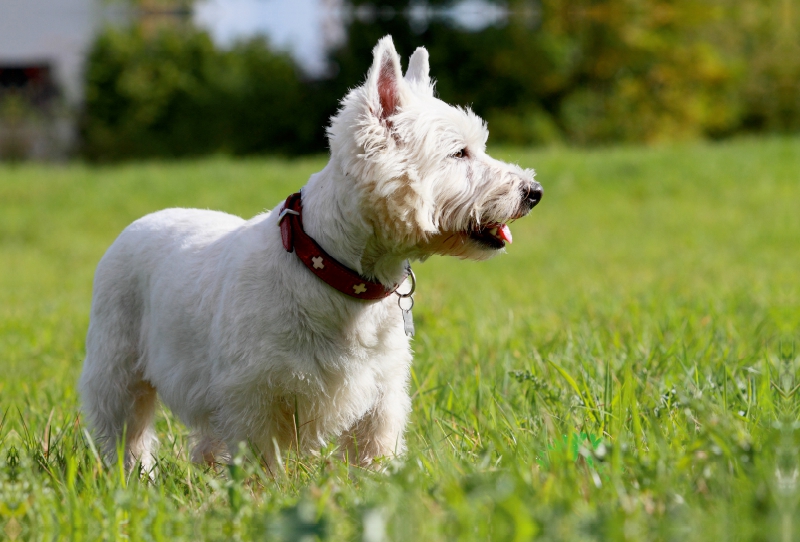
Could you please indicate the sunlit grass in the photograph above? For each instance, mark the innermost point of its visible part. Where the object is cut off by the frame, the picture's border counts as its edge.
(626, 371)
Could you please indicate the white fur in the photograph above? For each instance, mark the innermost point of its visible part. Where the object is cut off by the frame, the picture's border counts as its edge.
(208, 311)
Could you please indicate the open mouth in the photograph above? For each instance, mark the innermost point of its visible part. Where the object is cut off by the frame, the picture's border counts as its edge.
(494, 235)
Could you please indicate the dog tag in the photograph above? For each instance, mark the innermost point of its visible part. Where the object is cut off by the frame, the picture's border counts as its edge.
(408, 318)
(408, 323)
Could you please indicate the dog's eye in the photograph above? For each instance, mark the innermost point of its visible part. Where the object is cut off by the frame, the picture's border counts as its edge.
(460, 154)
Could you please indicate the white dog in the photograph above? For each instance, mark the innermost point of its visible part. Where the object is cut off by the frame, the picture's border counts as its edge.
(282, 331)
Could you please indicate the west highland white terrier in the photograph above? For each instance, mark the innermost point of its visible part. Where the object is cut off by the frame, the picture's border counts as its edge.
(284, 330)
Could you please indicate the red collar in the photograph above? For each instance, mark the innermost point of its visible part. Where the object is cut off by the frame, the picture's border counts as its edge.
(320, 262)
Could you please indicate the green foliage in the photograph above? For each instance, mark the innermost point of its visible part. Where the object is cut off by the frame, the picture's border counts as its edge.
(628, 371)
(582, 72)
(592, 72)
(175, 94)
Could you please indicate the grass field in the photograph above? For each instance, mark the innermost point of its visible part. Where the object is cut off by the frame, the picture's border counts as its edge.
(626, 372)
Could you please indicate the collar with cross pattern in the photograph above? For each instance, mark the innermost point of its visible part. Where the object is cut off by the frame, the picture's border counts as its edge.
(320, 262)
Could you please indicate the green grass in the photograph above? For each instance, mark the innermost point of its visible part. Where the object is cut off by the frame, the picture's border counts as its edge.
(627, 371)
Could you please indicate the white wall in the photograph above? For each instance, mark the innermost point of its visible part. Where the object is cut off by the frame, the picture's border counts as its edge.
(55, 32)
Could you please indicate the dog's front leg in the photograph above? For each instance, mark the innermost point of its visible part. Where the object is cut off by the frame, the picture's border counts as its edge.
(379, 433)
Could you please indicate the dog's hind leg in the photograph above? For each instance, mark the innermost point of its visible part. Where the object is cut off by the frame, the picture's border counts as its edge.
(117, 401)
(121, 410)
(120, 406)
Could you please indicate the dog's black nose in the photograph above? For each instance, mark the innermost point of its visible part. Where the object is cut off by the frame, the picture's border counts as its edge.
(533, 194)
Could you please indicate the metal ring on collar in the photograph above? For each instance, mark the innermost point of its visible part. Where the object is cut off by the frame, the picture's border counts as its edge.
(400, 303)
(413, 284)
(286, 212)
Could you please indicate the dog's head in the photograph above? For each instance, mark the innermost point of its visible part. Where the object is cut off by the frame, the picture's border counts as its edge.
(420, 165)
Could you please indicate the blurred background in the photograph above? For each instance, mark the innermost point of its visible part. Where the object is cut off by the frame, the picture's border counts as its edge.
(109, 80)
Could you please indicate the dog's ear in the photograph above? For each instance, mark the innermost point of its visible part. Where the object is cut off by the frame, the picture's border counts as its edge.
(417, 74)
(385, 79)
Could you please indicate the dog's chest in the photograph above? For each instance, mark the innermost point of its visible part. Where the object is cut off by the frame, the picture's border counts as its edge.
(339, 375)
(366, 332)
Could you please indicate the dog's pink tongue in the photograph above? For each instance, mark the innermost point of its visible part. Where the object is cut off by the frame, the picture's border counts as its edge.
(504, 233)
